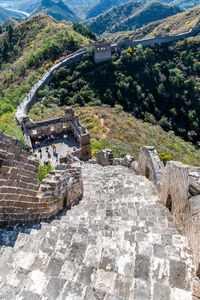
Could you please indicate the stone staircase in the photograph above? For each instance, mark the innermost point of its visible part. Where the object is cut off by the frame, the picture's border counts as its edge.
(118, 243)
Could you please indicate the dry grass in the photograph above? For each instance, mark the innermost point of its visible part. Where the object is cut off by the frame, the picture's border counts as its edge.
(116, 129)
(125, 134)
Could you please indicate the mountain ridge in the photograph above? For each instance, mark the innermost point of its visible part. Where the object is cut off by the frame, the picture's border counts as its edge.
(57, 9)
(130, 16)
(172, 25)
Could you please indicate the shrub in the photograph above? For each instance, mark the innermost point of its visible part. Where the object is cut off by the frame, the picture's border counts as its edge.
(43, 171)
(165, 157)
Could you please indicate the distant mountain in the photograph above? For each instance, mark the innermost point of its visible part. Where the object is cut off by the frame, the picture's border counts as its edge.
(57, 9)
(27, 5)
(130, 16)
(103, 6)
(185, 4)
(81, 7)
(6, 14)
(172, 25)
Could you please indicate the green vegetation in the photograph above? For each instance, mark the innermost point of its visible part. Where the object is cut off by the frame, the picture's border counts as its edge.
(26, 52)
(165, 157)
(130, 16)
(159, 85)
(8, 124)
(84, 31)
(43, 171)
(172, 25)
(104, 5)
(120, 131)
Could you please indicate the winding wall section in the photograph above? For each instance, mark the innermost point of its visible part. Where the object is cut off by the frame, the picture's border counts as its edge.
(31, 97)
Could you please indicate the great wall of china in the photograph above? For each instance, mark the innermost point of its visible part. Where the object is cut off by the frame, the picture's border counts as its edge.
(31, 97)
(128, 238)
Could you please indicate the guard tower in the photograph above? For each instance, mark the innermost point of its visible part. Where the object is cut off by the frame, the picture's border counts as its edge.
(102, 51)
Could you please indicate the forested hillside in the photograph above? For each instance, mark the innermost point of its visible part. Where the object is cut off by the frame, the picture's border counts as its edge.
(26, 52)
(130, 16)
(158, 84)
(175, 24)
(104, 5)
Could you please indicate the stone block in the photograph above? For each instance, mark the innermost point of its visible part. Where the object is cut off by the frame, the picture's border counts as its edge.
(8, 190)
(26, 198)
(194, 205)
(104, 157)
(142, 290)
(73, 290)
(28, 296)
(177, 277)
(27, 192)
(142, 267)
(54, 267)
(4, 169)
(12, 196)
(54, 288)
(22, 185)
(161, 292)
(94, 294)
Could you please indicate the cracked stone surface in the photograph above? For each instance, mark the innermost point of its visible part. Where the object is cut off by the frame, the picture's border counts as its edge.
(118, 243)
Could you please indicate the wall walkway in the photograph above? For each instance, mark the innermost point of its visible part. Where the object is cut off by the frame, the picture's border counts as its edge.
(31, 97)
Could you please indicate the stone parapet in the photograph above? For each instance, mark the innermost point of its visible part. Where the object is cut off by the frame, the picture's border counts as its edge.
(156, 39)
(67, 123)
(180, 192)
(179, 187)
(46, 78)
(149, 165)
(22, 197)
(104, 157)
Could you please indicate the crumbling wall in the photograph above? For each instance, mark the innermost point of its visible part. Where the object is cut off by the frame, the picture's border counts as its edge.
(22, 197)
(150, 165)
(180, 188)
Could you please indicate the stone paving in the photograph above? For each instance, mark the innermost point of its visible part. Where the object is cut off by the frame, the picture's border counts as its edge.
(64, 145)
(118, 243)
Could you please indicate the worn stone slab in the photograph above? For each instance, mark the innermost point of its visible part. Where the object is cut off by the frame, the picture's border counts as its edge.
(117, 243)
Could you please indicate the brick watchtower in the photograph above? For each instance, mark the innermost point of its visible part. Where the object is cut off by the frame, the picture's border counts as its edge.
(102, 51)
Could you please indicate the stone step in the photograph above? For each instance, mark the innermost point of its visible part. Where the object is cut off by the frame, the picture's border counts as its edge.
(118, 243)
